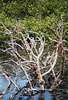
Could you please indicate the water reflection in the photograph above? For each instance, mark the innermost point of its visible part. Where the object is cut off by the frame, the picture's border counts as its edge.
(4, 83)
(41, 95)
(54, 97)
(46, 95)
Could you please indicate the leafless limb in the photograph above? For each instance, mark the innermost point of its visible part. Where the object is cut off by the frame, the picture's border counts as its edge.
(35, 54)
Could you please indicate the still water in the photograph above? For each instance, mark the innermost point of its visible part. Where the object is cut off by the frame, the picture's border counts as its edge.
(12, 92)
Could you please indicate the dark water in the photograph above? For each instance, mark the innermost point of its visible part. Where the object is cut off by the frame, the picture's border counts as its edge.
(13, 94)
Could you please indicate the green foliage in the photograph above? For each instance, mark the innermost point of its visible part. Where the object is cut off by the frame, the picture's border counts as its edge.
(35, 15)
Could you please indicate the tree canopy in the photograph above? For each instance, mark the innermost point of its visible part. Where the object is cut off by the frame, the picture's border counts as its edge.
(35, 15)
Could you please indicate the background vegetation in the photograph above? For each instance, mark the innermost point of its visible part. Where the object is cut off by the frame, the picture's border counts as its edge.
(36, 15)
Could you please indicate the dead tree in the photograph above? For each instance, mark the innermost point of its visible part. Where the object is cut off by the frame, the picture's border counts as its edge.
(28, 55)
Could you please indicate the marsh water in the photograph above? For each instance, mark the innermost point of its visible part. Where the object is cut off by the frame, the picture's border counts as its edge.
(10, 92)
